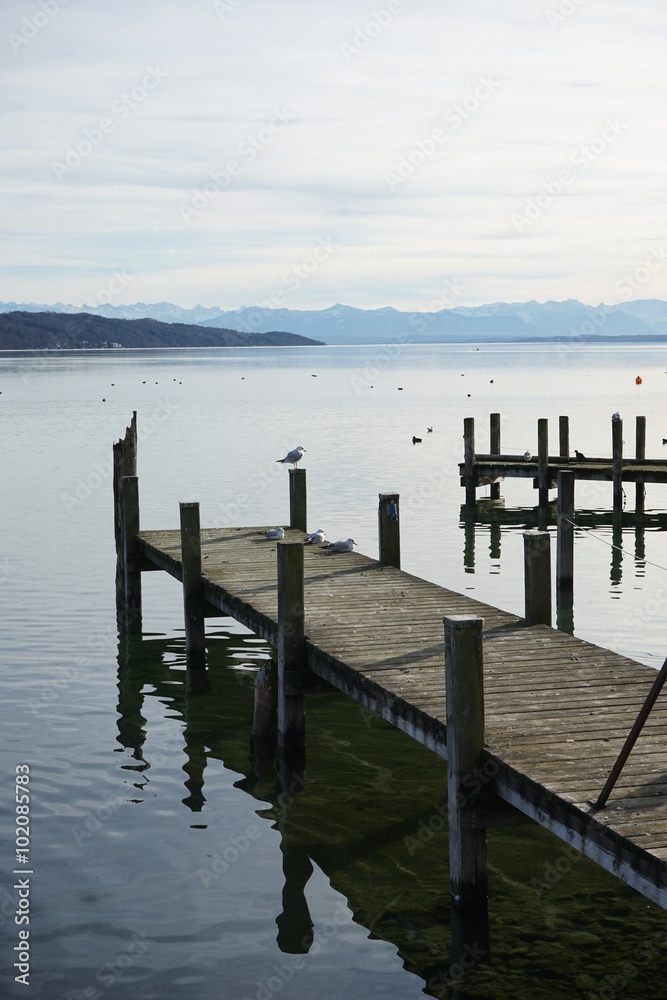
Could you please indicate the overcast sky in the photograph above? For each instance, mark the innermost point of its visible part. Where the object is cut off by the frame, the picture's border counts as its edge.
(419, 154)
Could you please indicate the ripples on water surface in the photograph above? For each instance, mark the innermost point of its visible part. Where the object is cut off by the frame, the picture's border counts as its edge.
(140, 794)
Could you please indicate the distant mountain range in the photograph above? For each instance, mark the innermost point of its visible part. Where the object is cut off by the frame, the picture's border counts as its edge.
(644, 319)
(24, 330)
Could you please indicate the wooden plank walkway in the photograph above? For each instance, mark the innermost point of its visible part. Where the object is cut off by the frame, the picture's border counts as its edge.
(558, 709)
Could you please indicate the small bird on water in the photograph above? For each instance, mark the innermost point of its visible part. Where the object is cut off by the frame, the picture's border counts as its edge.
(274, 534)
(416, 440)
(344, 545)
(292, 457)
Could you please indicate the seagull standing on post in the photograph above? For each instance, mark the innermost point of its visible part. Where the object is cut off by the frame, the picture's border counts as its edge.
(292, 457)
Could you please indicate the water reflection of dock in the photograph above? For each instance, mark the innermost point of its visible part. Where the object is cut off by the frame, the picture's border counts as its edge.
(493, 516)
(530, 719)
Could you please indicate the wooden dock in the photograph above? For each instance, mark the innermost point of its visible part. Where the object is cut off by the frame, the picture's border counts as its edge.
(531, 719)
(490, 468)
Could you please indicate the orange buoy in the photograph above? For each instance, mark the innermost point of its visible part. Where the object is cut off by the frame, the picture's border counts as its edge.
(638, 380)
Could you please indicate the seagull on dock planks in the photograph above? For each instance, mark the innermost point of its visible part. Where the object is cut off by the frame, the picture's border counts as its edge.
(316, 538)
(292, 457)
(275, 534)
(344, 545)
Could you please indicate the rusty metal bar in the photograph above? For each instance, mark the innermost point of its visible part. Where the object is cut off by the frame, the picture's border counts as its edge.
(633, 736)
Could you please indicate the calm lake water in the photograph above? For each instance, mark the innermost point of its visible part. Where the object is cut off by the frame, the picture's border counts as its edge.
(159, 857)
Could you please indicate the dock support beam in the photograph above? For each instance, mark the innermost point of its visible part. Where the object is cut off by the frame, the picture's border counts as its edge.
(193, 596)
(131, 571)
(291, 652)
(537, 577)
(565, 552)
(543, 461)
(389, 530)
(640, 455)
(494, 448)
(617, 461)
(469, 460)
(465, 742)
(298, 508)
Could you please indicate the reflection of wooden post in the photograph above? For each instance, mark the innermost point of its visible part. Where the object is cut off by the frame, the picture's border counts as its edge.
(193, 591)
(537, 573)
(291, 651)
(617, 461)
(494, 448)
(640, 455)
(468, 540)
(564, 437)
(543, 461)
(132, 573)
(298, 510)
(469, 460)
(465, 742)
(265, 720)
(389, 530)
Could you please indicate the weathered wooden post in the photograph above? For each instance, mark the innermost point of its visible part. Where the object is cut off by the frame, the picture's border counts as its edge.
(640, 455)
(565, 551)
(617, 461)
(564, 437)
(468, 876)
(124, 464)
(131, 571)
(291, 649)
(193, 591)
(543, 461)
(469, 460)
(298, 507)
(389, 530)
(494, 448)
(537, 577)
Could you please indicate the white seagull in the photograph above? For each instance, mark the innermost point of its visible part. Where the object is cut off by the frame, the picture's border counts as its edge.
(527, 456)
(274, 534)
(316, 538)
(292, 457)
(344, 545)
(616, 416)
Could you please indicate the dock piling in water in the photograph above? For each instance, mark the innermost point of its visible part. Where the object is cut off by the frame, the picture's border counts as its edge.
(195, 641)
(494, 448)
(617, 461)
(131, 570)
(537, 577)
(543, 461)
(469, 479)
(298, 504)
(640, 456)
(564, 437)
(291, 648)
(464, 684)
